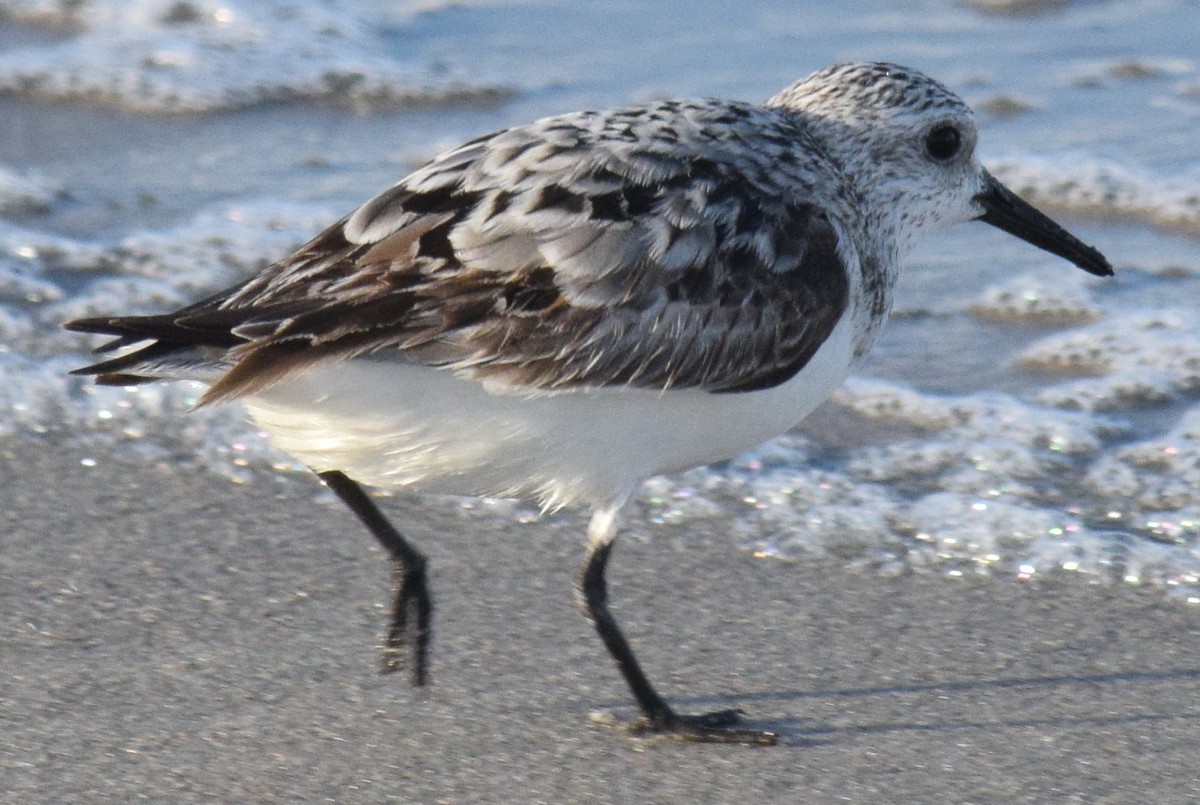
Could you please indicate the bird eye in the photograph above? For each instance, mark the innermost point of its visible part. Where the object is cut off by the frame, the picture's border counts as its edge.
(943, 142)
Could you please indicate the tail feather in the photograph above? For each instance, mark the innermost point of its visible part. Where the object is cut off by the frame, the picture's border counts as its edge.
(190, 344)
(175, 350)
(158, 361)
(171, 328)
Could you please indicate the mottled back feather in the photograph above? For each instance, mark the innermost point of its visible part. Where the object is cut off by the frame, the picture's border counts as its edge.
(643, 247)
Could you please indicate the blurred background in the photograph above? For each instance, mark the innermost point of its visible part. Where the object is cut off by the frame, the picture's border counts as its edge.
(1018, 418)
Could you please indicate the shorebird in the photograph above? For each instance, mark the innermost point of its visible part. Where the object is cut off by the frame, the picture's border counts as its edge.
(561, 309)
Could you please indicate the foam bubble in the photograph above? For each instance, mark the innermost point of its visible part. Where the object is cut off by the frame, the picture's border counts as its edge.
(1133, 359)
(1086, 184)
(1042, 298)
(26, 191)
(198, 56)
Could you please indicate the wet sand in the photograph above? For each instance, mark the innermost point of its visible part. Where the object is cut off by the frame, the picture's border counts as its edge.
(172, 636)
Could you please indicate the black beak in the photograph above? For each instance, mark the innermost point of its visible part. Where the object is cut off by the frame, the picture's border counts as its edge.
(1005, 210)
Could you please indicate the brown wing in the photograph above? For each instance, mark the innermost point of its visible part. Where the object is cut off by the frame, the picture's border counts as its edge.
(578, 252)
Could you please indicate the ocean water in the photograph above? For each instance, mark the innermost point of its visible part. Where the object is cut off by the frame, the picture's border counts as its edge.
(1018, 417)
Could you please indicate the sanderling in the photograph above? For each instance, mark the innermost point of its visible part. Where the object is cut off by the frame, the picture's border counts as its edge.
(562, 309)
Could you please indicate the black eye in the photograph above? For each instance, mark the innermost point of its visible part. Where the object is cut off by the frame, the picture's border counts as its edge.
(943, 142)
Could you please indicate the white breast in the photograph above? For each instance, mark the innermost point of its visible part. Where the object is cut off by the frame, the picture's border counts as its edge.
(392, 424)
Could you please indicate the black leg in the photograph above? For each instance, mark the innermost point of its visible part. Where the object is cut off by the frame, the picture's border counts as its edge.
(411, 602)
(657, 715)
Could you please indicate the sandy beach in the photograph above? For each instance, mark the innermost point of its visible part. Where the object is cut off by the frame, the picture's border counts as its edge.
(174, 637)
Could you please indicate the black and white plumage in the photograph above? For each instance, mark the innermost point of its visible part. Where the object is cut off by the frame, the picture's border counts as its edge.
(561, 309)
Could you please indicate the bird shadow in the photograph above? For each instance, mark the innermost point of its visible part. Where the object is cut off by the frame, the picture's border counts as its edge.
(797, 730)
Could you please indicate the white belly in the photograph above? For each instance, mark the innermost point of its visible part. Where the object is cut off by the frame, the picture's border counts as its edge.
(391, 424)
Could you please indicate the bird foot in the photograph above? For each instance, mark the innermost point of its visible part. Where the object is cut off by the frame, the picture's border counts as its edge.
(407, 644)
(716, 727)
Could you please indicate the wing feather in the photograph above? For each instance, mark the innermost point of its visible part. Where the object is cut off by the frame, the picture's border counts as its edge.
(647, 247)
